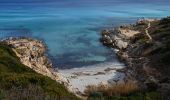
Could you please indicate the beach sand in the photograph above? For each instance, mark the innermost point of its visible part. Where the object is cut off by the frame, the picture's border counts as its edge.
(79, 78)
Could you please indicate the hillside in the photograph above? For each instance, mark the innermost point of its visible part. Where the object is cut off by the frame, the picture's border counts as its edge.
(18, 82)
(144, 48)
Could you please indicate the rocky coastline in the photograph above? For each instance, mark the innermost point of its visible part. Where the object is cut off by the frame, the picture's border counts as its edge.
(140, 49)
(26, 72)
(139, 46)
(31, 53)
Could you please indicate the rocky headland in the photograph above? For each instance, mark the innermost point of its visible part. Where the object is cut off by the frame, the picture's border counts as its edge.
(26, 72)
(144, 48)
(32, 54)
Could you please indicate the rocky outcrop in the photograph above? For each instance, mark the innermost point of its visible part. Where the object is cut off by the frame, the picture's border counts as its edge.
(118, 37)
(142, 47)
(32, 54)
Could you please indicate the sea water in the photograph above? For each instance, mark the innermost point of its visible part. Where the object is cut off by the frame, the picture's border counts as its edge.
(71, 28)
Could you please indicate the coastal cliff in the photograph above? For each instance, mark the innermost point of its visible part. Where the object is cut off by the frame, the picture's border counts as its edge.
(21, 82)
(32, 54)
(144, 48)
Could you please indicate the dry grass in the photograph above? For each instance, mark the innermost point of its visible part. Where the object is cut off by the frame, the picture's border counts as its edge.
(113, 90)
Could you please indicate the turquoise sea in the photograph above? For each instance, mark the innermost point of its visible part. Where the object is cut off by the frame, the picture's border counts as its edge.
(71, 28)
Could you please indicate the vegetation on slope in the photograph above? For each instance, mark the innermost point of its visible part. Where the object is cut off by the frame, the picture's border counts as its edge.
(18, 82)
(127, 91)
(113, 90)
(150, 63)
(157, 50)
(131, 96)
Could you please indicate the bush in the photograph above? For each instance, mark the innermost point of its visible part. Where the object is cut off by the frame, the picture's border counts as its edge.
(19, 82)
(139, 38)
(2, 95)
(165, 58)
(165, 21)
(132, 96)
(114, 90)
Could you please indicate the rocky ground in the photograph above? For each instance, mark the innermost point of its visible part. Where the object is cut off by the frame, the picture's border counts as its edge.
(144, 47)
(32, 54)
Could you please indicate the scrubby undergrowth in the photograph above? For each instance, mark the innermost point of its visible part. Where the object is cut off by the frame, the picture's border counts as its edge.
(113, 90)
(127, 91)
(18, 82)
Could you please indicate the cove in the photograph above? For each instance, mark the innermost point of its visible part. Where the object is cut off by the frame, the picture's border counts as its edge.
(71, 29)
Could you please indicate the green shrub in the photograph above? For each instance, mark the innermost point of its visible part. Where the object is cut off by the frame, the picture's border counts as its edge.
(153, 96)
(2, 95)
(19, 82)
(132, 96)
(165, 58)
(165, 21)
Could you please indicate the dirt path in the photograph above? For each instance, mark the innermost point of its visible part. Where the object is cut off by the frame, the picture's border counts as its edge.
(147, 32)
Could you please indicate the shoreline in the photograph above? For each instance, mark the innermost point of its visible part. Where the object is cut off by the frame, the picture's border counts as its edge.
(79, 78)
(120, 39)
(32, 54)
(133, 45)
(141, 47)
(105, 73)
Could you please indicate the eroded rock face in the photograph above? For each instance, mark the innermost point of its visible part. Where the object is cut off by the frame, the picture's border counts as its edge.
(32, 54)
(117, 38)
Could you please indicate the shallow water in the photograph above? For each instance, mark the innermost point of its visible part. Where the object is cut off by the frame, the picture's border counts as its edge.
(71, 28)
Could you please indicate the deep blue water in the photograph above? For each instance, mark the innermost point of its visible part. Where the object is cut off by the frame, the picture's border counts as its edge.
(71, 28)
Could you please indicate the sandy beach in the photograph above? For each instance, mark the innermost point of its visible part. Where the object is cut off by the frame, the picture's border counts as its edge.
(79, 78)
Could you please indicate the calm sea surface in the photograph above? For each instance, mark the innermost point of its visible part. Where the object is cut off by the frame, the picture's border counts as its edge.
(71, 28)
